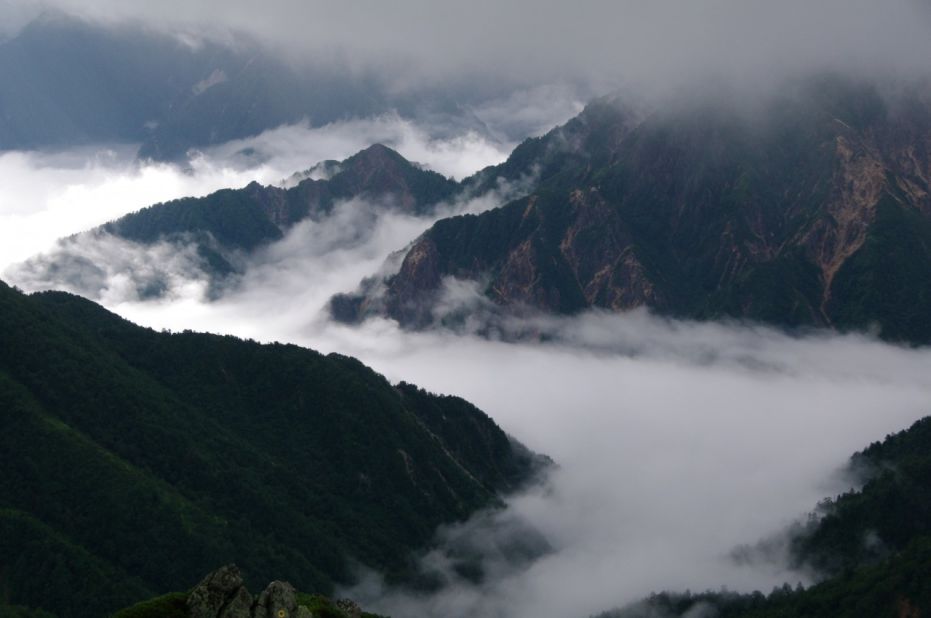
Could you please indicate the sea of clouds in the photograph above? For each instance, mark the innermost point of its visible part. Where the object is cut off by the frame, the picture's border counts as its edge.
(675, 441)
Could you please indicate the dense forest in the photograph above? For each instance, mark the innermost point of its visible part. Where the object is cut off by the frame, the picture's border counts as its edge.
(137, 461)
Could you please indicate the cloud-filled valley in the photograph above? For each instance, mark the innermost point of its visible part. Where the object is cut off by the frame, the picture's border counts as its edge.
(675, 441)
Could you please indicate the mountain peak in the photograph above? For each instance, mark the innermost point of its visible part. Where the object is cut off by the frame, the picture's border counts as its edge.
(378, 155)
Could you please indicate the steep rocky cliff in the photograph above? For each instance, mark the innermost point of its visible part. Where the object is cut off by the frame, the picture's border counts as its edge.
(809, 208)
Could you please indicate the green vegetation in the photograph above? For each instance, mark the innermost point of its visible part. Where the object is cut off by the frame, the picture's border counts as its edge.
(136, 461)
(232, 216)
(891, 510)
(894, 588)
(172, 605)
(324, 607)
(873, 544)
(15, 611)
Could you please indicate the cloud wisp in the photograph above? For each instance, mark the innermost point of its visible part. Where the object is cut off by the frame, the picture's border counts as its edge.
(52, 195)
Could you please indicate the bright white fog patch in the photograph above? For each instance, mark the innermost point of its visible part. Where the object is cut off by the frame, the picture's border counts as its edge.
(48, 196)
(45, 197)
(110, 270)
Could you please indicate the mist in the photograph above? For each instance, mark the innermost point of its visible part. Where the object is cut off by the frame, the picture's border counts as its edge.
(475, 45)
(675, 442)
(47, 196)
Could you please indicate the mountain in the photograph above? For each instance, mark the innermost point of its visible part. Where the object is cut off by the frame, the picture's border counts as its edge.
(231, 223)
(881, 519)
(248, 217)
(135, 461)
(66, 82)
(807, 208)
(871, 546)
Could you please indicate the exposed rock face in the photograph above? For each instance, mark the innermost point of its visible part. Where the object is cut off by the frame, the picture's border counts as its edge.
(276, 601)
(796, 217)
(222, 594)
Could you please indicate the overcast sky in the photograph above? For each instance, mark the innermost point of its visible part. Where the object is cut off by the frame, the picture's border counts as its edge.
(633, 41)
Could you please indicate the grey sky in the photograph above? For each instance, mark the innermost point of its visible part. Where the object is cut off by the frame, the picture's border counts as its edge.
(635, 41)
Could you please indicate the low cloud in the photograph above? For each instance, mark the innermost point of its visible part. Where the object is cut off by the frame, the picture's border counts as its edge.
(297, 147)
(47, 196)
(473, 45)
(675, 441)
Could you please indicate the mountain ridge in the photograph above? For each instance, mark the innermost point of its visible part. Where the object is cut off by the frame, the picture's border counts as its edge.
(134, 461)
(792, 218)
(221, 229)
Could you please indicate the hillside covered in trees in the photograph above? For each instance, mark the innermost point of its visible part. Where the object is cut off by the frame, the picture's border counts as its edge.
(136, 461)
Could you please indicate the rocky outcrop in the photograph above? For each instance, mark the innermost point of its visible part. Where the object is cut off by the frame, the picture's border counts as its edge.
(278, 601)
(222, 594)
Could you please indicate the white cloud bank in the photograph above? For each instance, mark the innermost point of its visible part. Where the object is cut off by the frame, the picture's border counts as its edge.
(47, 196)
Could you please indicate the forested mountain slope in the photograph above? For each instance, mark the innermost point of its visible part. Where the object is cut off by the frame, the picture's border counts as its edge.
(136, 461)
(871, 546)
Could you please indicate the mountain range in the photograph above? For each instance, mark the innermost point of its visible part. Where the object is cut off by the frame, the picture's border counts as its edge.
(226, 227)
(811, 209)
(808, 209)
(135, 461)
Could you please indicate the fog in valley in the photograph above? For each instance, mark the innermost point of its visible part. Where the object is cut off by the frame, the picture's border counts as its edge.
(674, 442)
